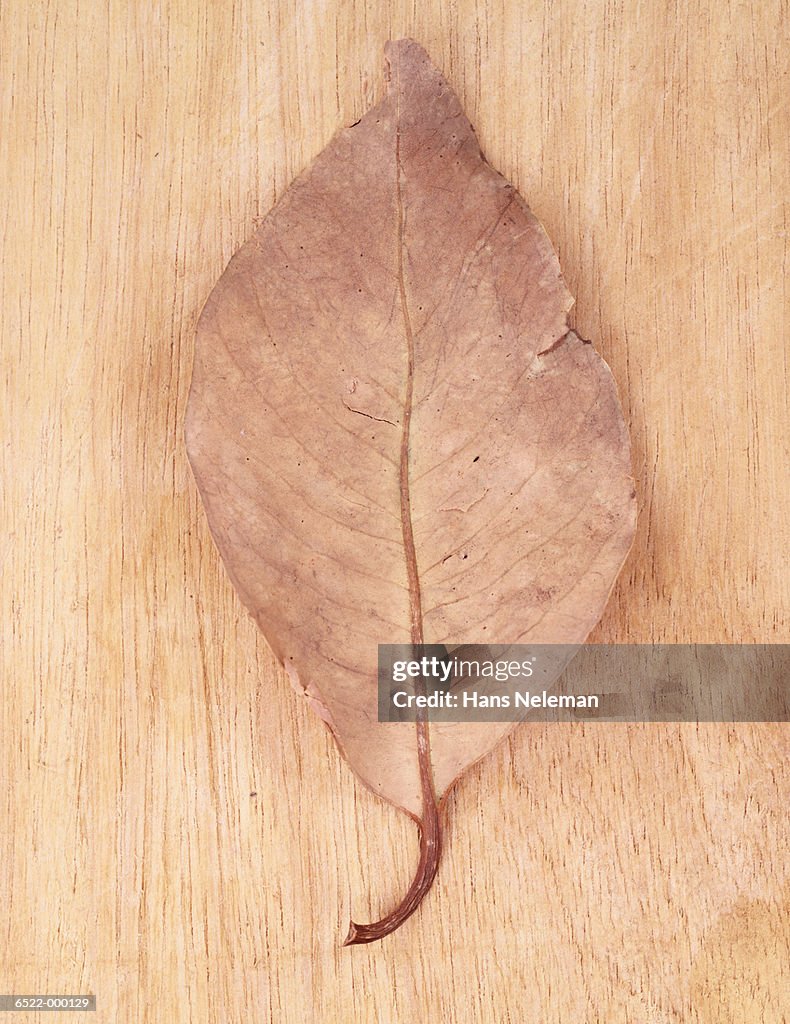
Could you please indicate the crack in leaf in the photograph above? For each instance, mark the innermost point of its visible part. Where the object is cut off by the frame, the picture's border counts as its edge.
(378, 419)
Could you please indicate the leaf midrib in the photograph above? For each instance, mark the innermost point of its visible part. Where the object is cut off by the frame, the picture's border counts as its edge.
(410, 553)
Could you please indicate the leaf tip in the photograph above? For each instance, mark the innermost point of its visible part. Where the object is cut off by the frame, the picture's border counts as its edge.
(398, 51)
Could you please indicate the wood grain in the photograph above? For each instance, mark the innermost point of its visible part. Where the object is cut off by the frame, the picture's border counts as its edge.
(177, 833)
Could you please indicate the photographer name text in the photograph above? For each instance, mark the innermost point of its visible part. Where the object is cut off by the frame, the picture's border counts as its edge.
(471, 699)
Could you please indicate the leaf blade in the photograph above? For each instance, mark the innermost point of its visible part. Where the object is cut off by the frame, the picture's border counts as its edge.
(394, 433)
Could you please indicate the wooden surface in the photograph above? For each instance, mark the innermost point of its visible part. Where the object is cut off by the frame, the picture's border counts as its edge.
(177, 833)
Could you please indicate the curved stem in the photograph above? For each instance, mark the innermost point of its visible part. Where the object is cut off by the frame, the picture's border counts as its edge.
(430, 850)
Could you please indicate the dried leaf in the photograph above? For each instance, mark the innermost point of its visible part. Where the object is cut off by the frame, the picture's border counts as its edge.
(397, 438)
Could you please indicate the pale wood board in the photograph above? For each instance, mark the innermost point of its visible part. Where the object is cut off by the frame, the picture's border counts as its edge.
(177, 833)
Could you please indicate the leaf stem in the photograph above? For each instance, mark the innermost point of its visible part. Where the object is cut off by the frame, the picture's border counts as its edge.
(430, 851)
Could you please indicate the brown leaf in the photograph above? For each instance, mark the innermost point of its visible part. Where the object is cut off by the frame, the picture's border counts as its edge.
(397, 438)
